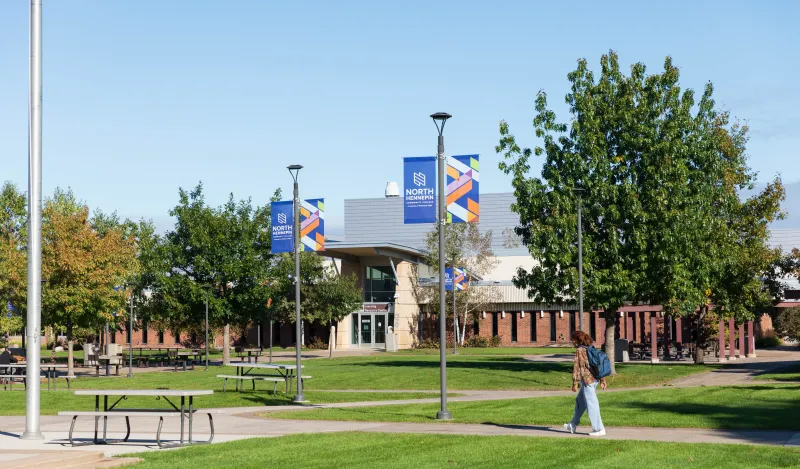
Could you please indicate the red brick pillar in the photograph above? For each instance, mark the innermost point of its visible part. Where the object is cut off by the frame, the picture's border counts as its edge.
(678, 330)
(629, 332)
(741, 340)
(721, 340)
(751, 340)
(653, 338)
(731, 339)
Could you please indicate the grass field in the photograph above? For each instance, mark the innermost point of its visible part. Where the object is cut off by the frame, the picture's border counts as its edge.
(773, 407)
(405, 451)
(790, 373)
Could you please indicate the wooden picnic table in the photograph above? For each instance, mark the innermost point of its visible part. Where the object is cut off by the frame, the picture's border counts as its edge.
(47, 369)
(251, 352)
(185, 413)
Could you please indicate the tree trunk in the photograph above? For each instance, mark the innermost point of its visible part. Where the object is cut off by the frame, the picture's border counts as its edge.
(464, 327)
(226, 344)
(70, 359)
(610, 317)
(699, 342)
(332, 341)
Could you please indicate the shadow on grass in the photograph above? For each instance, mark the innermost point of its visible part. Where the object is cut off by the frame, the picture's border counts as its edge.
(494, 364)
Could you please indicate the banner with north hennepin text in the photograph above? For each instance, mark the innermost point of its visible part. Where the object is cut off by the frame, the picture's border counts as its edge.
(463, 197)
(419, 189)
(282, 225)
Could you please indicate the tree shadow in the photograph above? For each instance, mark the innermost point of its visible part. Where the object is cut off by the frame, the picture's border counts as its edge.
(517, 365)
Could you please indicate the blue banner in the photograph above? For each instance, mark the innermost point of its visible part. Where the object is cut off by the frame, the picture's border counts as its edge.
(282, 226)
(448, 278)
(419, 189)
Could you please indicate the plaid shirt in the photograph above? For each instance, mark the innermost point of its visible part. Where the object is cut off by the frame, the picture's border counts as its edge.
(581, 370)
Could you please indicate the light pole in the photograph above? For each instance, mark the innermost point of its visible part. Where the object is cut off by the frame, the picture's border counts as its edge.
(294, 170)
(439, 120)
(208, 289)
(130, 332)
(579, 192)
(32, 402)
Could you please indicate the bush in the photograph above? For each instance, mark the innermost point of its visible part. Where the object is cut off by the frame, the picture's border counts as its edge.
(427, 344)
(788, 323)
(477, 341)
(769, 340)
(317, 344)
(494, 341)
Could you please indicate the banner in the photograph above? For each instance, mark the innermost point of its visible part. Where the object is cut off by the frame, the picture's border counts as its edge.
(463, 201)
(460, 278)
(448, 278)
(419, 189)
(312, 224)
(282, 223)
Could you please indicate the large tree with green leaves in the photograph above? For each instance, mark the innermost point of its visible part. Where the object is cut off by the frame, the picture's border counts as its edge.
(13, 239)
(224, 249)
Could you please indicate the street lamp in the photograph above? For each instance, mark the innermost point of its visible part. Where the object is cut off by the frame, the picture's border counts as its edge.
(579, 192)
(294, 170)
(130, 332)
(439, 120)
(208, 290)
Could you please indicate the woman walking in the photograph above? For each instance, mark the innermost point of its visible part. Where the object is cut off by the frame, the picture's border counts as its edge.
(582, 376)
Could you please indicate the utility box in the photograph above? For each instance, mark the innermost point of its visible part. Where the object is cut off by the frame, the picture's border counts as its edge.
(391, 342)
(621, 351)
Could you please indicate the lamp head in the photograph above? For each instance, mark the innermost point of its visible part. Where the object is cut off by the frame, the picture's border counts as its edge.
(440, 117)
(294, 169)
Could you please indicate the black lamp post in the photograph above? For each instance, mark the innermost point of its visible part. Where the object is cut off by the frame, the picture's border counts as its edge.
(131, 285)
(294, 170)
(208, 289)
(439, 120)
(579, 192)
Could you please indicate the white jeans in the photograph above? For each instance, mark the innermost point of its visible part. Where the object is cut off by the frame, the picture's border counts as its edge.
(586, 401)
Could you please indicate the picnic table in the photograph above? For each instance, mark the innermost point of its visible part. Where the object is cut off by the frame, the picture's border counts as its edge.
(244, 372)
(185, 414)
(251, 352)
(48, 370)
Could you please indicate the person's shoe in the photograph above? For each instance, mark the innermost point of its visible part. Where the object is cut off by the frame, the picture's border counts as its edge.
(598, 433)
(569, 427)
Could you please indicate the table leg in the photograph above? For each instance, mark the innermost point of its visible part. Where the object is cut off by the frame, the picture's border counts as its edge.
(96, 419)
(105, 418)
(55, 381)
(191, 417)
(183, 415)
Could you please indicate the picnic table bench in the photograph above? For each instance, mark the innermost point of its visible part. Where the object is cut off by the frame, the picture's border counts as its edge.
(184, 413)
(285, 373)
(48, 370)
(110, 360)
(249, 353)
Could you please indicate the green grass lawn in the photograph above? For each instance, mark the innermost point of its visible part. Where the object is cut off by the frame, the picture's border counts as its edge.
(790, 373)
(775, 407)
(508, 351)
(406, 451)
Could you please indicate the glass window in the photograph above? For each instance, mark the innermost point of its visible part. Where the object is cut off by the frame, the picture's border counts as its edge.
(379, 284)
(513, 327)
(533, 326)
(495, 326)
(593, 326)
(571, 324)
(552, 326)
(355, 328)
(160, 337)
(144, 332)
(176, 334)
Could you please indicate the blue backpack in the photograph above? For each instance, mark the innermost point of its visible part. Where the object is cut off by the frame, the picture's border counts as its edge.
(599, 363)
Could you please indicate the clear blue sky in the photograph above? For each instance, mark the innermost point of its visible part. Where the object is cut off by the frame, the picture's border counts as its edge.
(141, 97)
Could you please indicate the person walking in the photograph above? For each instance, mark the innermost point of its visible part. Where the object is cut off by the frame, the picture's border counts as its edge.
(586, 400)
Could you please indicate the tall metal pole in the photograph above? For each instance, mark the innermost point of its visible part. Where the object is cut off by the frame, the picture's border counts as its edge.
(443, 414)
(270, 342)
(33, 369)
(206, 342)
(130, 339)
(108, 348)
(299, 397)
(580, 264)
(455, 324)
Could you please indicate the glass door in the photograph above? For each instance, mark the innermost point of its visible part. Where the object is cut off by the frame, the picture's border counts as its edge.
(366, 330)
(380, 330)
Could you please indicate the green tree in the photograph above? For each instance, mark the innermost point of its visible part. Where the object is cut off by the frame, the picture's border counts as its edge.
(465, 247)
(13, 269)
(227, 248)
(334, 298)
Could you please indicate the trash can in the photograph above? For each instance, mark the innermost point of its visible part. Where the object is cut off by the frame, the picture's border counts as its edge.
(621, 350)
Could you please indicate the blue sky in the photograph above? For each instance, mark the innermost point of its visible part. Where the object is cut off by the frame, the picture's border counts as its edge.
(142, 97)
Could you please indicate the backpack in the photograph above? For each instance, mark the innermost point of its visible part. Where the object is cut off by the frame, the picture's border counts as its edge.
(599, 364)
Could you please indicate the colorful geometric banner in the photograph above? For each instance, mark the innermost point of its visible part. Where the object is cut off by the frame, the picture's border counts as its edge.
(312, 224)
(282, 226)
(419, 189)
(463, 199)
(460, 278)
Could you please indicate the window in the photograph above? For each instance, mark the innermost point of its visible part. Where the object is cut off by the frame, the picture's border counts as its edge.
(355, 329)
(593, 326)
(495, 326)
(513, 327)
(552, 326)
(379, 284)
(144, 332)
(476, 329)
(127, 334)
(160, 337)
(176, 334)
(533, 327)
(633, 322)
(113, 334)
(571, 324)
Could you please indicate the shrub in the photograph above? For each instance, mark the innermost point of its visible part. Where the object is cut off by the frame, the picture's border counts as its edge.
(494, 341)
(770, 339)
(317, 344)
(477, 341)
(788, 323)
(427, 344)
